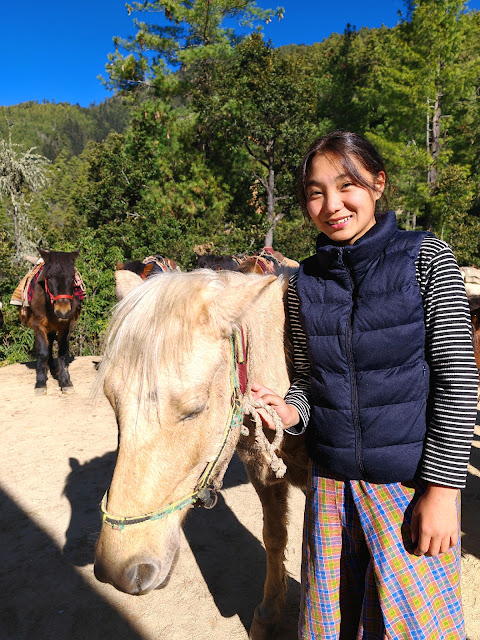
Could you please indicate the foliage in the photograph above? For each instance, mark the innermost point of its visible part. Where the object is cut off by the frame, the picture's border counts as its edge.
(96, 265)
(16, 341)
(451, 206)
(152, 189)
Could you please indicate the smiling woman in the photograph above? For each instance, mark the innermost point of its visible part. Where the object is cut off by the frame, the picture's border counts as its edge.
(387, 383)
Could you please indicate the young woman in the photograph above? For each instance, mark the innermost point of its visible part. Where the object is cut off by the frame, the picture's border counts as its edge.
(386, 389)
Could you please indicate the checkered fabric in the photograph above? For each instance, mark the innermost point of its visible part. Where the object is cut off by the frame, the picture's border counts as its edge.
(360, 579)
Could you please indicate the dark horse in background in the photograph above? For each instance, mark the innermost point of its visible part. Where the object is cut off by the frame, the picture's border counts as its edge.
(55, 299)
(150, 266)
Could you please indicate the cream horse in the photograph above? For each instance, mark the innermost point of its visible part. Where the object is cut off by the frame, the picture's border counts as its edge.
(181, 353)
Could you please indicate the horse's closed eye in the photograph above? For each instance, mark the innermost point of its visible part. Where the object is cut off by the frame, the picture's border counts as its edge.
(193, 414)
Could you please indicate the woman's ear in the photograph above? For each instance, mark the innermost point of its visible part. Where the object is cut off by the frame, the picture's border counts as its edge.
(380, 184)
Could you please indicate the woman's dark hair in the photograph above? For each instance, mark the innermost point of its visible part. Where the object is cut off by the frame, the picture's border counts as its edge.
(343, 145)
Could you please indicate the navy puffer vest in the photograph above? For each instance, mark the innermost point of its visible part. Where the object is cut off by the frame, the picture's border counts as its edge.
(362, 313)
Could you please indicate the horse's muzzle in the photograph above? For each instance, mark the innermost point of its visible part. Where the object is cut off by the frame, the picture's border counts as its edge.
(137, 577)
(62, 310)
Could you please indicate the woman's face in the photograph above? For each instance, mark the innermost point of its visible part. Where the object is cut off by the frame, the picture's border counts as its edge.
(341, 209)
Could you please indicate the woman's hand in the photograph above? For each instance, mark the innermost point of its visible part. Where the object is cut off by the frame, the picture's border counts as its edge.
(435, 521)
(287, 413)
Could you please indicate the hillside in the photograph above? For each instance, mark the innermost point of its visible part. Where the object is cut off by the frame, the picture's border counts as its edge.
(54, 128)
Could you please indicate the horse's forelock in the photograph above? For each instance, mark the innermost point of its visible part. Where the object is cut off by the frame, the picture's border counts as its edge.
(154, 324)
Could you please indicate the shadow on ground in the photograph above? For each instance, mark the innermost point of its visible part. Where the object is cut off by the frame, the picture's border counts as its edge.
(44, 598)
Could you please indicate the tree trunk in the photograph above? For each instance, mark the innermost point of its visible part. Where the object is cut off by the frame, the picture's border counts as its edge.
(433, 140)
(271, 198)
(15, 230)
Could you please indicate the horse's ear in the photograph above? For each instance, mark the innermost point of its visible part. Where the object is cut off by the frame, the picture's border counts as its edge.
(125, 281)
(75, 254)
(148, 268)
(44, 253)
(230, 304)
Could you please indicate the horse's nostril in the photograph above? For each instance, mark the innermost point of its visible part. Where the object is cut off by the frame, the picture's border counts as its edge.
(141, 577)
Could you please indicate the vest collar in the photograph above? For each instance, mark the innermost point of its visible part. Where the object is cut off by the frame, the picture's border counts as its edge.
(364, 251)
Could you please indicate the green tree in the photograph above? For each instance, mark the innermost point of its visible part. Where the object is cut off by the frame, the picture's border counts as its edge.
(187, 33)
(451, 206)
(264, 102)
(53, 210)
(151, 190)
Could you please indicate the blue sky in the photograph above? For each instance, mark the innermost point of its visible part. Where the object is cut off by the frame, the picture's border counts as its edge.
(55, 49)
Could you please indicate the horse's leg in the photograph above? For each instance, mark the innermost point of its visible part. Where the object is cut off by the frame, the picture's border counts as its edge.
(268, 613)
(42, 349)
(63, 339)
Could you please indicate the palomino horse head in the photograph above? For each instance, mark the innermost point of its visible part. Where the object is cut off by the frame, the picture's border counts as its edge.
(167, 372)
(59, 277)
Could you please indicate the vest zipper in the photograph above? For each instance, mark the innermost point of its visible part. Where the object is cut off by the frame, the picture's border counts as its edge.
(353, 383)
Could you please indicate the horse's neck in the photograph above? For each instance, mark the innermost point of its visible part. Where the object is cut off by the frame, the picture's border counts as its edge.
(266, 341)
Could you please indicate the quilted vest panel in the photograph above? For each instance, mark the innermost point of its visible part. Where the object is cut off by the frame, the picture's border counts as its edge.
(362, 313)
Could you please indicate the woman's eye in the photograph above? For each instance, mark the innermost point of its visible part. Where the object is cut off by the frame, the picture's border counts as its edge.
(347, 184)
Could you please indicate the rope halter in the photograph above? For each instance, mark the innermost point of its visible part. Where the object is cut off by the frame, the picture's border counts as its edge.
(204, 492)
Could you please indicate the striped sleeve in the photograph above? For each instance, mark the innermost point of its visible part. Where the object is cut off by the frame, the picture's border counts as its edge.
(299, 393)
(454, 375)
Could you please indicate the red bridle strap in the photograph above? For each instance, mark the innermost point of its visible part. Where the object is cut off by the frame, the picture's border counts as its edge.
(241, 360)
(64, 296)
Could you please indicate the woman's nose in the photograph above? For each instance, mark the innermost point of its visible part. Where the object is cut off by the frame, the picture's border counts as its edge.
(332, 203)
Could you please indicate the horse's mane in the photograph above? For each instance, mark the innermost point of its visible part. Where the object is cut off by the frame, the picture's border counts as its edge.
(153, 325)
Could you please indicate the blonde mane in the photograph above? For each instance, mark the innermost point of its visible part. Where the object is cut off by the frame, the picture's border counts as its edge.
(153, 326)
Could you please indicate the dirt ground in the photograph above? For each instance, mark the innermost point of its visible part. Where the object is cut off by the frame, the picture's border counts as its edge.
(57, 456)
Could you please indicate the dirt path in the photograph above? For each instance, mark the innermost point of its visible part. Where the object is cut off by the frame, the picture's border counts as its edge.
(57, 455)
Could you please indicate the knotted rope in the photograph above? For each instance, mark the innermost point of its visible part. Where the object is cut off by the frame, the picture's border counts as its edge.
(250, 407)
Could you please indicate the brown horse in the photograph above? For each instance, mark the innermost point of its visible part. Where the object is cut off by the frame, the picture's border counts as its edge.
(153, 265)
(181, 354)
(218, 263)
(267, 262)
(264, 262)
(54, 307)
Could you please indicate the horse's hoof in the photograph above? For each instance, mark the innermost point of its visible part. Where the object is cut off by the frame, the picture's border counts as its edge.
(68, 390)
(40, 391)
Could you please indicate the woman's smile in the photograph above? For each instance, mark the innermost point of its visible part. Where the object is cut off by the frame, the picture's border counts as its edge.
(339, 224)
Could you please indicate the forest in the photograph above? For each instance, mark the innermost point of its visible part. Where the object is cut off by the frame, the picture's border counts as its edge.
(198, 148)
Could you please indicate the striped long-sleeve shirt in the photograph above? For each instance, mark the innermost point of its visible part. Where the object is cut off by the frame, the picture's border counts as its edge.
(449, 352)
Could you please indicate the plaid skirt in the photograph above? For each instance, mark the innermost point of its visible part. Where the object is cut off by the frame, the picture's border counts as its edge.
(360, 578)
